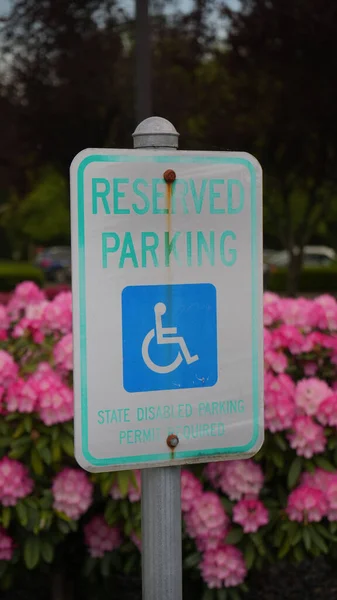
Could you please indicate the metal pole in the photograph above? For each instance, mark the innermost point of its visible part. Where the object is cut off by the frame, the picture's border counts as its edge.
(143, 61)
(161, 504)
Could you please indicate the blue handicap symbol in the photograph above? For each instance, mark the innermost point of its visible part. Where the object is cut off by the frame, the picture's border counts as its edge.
(169, 337)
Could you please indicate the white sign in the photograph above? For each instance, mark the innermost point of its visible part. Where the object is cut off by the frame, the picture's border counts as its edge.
(167, 302)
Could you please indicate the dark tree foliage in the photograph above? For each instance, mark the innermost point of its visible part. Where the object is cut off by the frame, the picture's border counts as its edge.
(261, 79)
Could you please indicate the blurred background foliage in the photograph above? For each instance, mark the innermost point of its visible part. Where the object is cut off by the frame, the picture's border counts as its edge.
(253, 75)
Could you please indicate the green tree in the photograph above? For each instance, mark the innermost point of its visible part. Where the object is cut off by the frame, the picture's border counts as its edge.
(281, 57)
(41, 217)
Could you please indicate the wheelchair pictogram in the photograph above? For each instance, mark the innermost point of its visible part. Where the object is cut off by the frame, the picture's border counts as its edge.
(169, 337)
(165, 335)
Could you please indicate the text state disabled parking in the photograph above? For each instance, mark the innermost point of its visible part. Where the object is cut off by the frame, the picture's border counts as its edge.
(167, 303)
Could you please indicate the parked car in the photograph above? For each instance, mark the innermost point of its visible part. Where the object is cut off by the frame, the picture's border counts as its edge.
(55, 262)
(313, 256)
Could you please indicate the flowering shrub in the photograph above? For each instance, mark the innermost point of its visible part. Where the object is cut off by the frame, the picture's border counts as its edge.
(237, 515)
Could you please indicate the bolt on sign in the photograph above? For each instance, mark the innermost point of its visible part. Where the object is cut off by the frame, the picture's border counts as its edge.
(167, 302)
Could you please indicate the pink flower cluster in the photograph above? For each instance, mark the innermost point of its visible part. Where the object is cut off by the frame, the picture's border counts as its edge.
(15, 482)
(223, 567)
(8, 369)
(43, 392)
(100, 537)
(6, 545)
(208, 524)
(236, 478)
(300, 335)
(314, 498)
(72, 492)
(251, 514)
(63, 353)
(33, 314)
(304, 314)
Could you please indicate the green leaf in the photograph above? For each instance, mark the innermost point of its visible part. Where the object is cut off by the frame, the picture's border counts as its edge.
(318, 540)
(234, 594)
(105, 565)
(36, 462)
(21, 511)
(47, 552)
(249, 554)
(56, 452)
(123, 479)
(323, 463)
(282, 444)
(306, 539)
(294, 471)
(110, 513)
(283, 551)
(234, 536)
(222, 594)
(31, 552)
(278, 458)
(67, 444)
(28, 423)
(17, 452)
(19, 431)
(207, 595)
(192, 560)
(6, 516)
(298, 554)
(259, 544)
(45, 455)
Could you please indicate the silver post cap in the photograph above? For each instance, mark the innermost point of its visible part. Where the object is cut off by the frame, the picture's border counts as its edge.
(155, 132)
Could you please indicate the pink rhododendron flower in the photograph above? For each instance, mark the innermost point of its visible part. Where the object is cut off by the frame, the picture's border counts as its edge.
(272, 308)
(287, 336)
(331, 496)
(326, 312)
(307, 438)
(100, 537)
(55, 399)
(32, 323)
(327, 414)
(207, 521)
(251, 514)
(306, 504)
(191, 489)
(223, 567)
(319, 479)
(63, 353)
(299, 313)
(8, 369)
(214, 473)
(267, 340)
(25, 294)
(15, 482)
(279, 404)
(72, 492)
(241, 478)
(6, 545)
(58, 313)
(134, 491)
(21, 396)
(310, 394)
(277, 361)
(315, 341)
(4, 323)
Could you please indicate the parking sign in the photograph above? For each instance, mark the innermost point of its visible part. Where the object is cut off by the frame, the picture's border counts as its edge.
(167, 303)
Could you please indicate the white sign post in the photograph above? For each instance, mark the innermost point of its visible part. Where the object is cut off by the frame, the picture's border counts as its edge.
(167, 303)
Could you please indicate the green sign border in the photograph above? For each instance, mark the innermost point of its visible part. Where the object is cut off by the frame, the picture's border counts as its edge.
(164, 456)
